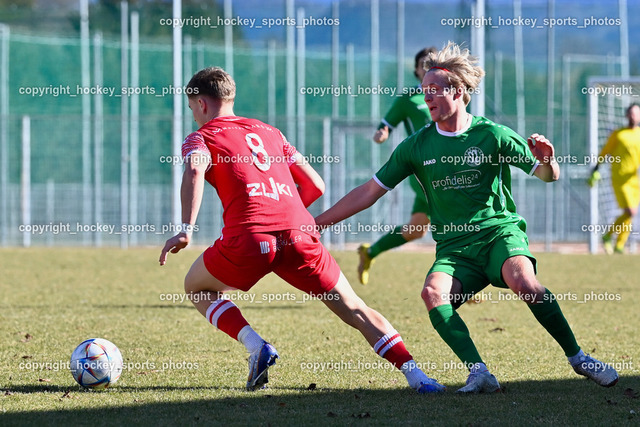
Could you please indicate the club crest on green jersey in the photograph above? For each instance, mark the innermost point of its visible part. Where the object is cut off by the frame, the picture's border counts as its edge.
(473, 156)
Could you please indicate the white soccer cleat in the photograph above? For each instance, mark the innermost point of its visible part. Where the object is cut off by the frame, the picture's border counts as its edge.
(601, 373)
(480, 382)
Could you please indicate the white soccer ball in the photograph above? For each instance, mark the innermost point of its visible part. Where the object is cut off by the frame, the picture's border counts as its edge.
(96, 363)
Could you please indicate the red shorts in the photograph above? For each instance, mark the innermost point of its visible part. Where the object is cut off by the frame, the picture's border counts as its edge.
(297, 257)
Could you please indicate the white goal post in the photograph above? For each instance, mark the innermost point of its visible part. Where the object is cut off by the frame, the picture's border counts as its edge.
(608, 99)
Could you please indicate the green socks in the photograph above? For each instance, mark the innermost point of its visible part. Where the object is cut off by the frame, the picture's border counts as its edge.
(454, 332)
(391, 240)
(550, 316)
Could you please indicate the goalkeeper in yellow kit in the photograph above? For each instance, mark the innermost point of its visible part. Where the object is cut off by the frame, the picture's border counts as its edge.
(624, 146)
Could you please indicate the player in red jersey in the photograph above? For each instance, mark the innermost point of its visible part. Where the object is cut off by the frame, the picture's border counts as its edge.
(264, 185)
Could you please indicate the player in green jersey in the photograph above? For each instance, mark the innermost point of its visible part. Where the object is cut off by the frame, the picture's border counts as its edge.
(463, 163)
(411, 110)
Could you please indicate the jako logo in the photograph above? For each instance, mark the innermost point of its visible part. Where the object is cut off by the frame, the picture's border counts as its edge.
(429, 162)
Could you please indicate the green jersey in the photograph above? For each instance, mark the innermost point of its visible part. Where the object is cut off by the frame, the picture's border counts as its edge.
(409, 109)
(465, 175)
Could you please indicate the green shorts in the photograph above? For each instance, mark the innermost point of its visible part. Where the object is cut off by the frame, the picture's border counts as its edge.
(420, 204)
(476, 260)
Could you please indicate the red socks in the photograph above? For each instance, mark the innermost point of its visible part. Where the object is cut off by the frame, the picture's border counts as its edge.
(392, 348)
(226, 316)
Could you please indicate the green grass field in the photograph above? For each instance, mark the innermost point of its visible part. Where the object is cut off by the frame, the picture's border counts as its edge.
(180, 370)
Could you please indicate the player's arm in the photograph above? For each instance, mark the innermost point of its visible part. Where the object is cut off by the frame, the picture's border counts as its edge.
(310, 183)
(394, 116)
(192, 187)
(606, 150)
(191, 193)
(358, 199)
(397, 168)
(548, 169)
(197, 158)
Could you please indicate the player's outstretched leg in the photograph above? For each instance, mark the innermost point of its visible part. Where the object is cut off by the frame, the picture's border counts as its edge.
(205, 292)
(416, 229)
(438, 292)
(519, 275)
(379, 333)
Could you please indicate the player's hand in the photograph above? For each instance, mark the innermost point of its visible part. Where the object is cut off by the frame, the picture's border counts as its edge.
(381, 135)
(174, 245)
(541, 148)
(594, 178)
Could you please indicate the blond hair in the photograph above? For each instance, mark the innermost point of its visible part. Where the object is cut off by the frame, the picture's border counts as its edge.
(462, 72)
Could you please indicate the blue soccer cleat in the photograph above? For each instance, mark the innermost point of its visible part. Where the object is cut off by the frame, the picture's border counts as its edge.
(259, 363)
(430, 386)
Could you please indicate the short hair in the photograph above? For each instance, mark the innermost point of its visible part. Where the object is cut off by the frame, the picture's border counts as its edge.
(421, 54)
(628, 110)
(462, 71)
(213, 82)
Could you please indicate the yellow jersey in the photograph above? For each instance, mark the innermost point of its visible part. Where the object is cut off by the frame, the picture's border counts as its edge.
(623, 144)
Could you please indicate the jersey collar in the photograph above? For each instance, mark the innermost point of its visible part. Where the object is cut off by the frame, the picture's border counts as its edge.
(458, 132)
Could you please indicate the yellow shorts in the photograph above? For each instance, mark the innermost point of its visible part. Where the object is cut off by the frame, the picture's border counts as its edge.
(627, 192)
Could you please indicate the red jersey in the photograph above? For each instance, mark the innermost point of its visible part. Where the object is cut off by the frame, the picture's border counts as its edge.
(249, 168)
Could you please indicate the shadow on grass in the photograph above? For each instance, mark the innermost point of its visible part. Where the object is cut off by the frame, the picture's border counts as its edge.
(258, 305)
(75, 389)
(566, 401)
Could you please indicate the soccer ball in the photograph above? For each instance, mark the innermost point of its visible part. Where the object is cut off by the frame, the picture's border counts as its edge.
(96, 363)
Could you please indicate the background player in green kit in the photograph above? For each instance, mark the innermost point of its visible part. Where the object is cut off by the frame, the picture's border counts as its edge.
(411, 110)
(463, 162)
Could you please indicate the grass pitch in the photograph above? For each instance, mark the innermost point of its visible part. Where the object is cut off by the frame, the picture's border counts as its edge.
(180, 370)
